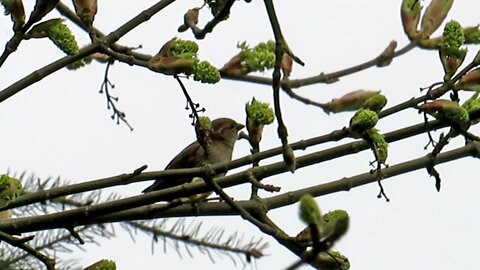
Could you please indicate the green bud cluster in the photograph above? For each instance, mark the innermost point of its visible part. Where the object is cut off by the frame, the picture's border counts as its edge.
(260, 58)
(62, 37)
(180, 56)
(472, 103)
(184, 48)
(260, 112)
(375, 103)
(379, 143)
(80, 63)
(10, 188)
(363, 120)
(205, 122)
(103, 265)
(338, 255)
(309, 211)
(205, 73)
(453, 38)
(459, 116)
(334, 225)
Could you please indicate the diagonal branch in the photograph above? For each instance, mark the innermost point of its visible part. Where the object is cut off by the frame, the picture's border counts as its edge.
(93, 214)
(92, 48)
(334, 152)
(279, 201)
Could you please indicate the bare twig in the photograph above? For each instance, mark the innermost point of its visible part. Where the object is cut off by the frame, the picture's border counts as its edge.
(20, 243)
(111, 100)
(279, 51)
(222, 15)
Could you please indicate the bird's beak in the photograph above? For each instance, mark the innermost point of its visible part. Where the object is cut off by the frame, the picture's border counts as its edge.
(240, 126)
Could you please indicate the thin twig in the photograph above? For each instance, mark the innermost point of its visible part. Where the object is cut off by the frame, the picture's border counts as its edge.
(192, 240)
(279, 51)
(221, 16)
(322, 77)
(20, 243)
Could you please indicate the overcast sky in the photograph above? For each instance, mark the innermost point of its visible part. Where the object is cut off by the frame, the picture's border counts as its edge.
(61, 127)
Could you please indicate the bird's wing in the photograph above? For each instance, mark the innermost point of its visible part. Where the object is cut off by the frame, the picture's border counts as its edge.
(190, 160)
(180, 161)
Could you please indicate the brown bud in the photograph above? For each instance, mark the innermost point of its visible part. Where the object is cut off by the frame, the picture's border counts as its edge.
(234, 67)
(189, 19)
(42, 8)
(469, 81)
(433, 106)
(431, 43)
(387, 55)
(287, 62)
(254, 131)
(171, 65)
(472, 76)
(410, 12)
(451, 63)
(349, 102)
(289, 158)
(86, 10)
(434, 16)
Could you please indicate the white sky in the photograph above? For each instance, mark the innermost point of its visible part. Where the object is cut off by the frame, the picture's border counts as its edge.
(60, 126)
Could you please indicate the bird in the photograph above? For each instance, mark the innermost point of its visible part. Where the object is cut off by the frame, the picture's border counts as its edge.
(223, 136)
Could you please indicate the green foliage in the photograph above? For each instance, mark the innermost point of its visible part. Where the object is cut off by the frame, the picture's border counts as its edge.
(62, 37)
(180, 56)
(205, 122)
(183, 48)
(205, 73)
(80, 63)
(343, 266)
(363, 120)
(453, 38)
(334, 225)
(448, 110)
(459, 116)
(260, 58)
(309, 211)
(103, 265)
(15, 8)
(260, 112)
(349, 102)
(472, 37)
(7, 6)
(472, 103)
(375, 103)
(379, 143)
(412, 4)
(10, 188)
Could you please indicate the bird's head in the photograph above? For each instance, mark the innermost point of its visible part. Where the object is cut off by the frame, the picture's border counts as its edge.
(226, 129)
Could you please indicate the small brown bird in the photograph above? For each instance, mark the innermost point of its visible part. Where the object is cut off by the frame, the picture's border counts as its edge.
(223, 136)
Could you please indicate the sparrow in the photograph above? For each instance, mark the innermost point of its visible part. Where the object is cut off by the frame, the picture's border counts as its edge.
(223, 136)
